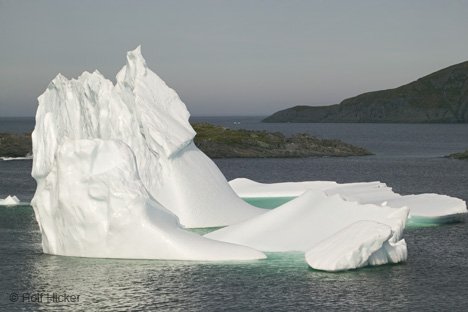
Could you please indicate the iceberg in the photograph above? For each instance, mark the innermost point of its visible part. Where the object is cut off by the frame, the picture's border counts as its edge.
(360, 244)
(148, 116)
(93, 204)
(16, 158)
(118, 176)
(306, 220)
(423, 208)
(102, 161)
(9, 201)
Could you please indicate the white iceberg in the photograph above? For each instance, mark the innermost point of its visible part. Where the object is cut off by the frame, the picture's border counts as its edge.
(360, 244)
(431, 208)
(148, 116)
(16, 158)
(423, 208)
(118, 176)
(305, 221)
(102, 153)
(93, 204)
(10, 201)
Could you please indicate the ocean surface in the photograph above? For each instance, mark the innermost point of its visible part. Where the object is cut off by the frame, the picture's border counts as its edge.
(408, 157)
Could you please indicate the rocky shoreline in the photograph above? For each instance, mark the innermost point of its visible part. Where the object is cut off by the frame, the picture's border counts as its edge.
(219, 142)
(461, 155)
(15, 145)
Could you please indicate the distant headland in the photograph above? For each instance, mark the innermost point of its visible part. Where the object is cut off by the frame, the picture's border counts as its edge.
(441, 97)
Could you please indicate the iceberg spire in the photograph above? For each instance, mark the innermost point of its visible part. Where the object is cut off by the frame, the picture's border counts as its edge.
(100, 156)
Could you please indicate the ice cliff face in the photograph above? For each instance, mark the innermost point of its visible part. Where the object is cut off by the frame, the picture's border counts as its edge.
(103, 153)
(93, 203)
(148, 116)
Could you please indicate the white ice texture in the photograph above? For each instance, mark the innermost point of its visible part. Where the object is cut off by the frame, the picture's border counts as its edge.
(118, 176)
(104, 158)
(306, 220)
(360, 244)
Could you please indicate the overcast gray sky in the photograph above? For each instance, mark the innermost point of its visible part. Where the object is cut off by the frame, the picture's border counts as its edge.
(231, 57)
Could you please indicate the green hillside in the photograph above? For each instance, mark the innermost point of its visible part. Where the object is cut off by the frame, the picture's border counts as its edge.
(441, 97)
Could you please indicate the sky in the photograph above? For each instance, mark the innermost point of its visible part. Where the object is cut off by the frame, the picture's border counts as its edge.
(231, 57)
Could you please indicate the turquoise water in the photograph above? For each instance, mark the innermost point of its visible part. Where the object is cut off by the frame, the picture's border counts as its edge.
(267, 202)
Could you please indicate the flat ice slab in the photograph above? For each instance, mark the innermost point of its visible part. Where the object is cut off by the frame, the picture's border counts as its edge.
(424, 208)
(16, 158)
(305, 221)
(360, 244)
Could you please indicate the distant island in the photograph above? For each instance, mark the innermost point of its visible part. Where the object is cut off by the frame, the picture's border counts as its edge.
(220, 142)
(441, 97)
(15, 145)
(461, 155)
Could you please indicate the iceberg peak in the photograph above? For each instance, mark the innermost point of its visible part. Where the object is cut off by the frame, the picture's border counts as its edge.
(103, 156)
(58, 80)
(135, 67)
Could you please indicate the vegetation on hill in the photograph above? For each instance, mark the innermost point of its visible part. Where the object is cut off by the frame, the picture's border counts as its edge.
(15, 145)
(441, 97)
(219, 142)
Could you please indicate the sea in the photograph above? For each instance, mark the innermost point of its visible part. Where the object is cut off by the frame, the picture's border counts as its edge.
(408, 157)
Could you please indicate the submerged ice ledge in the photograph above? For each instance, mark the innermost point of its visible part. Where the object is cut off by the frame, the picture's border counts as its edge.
(118, 176)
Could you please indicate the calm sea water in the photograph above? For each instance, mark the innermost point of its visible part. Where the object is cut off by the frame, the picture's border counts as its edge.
(407, 157)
